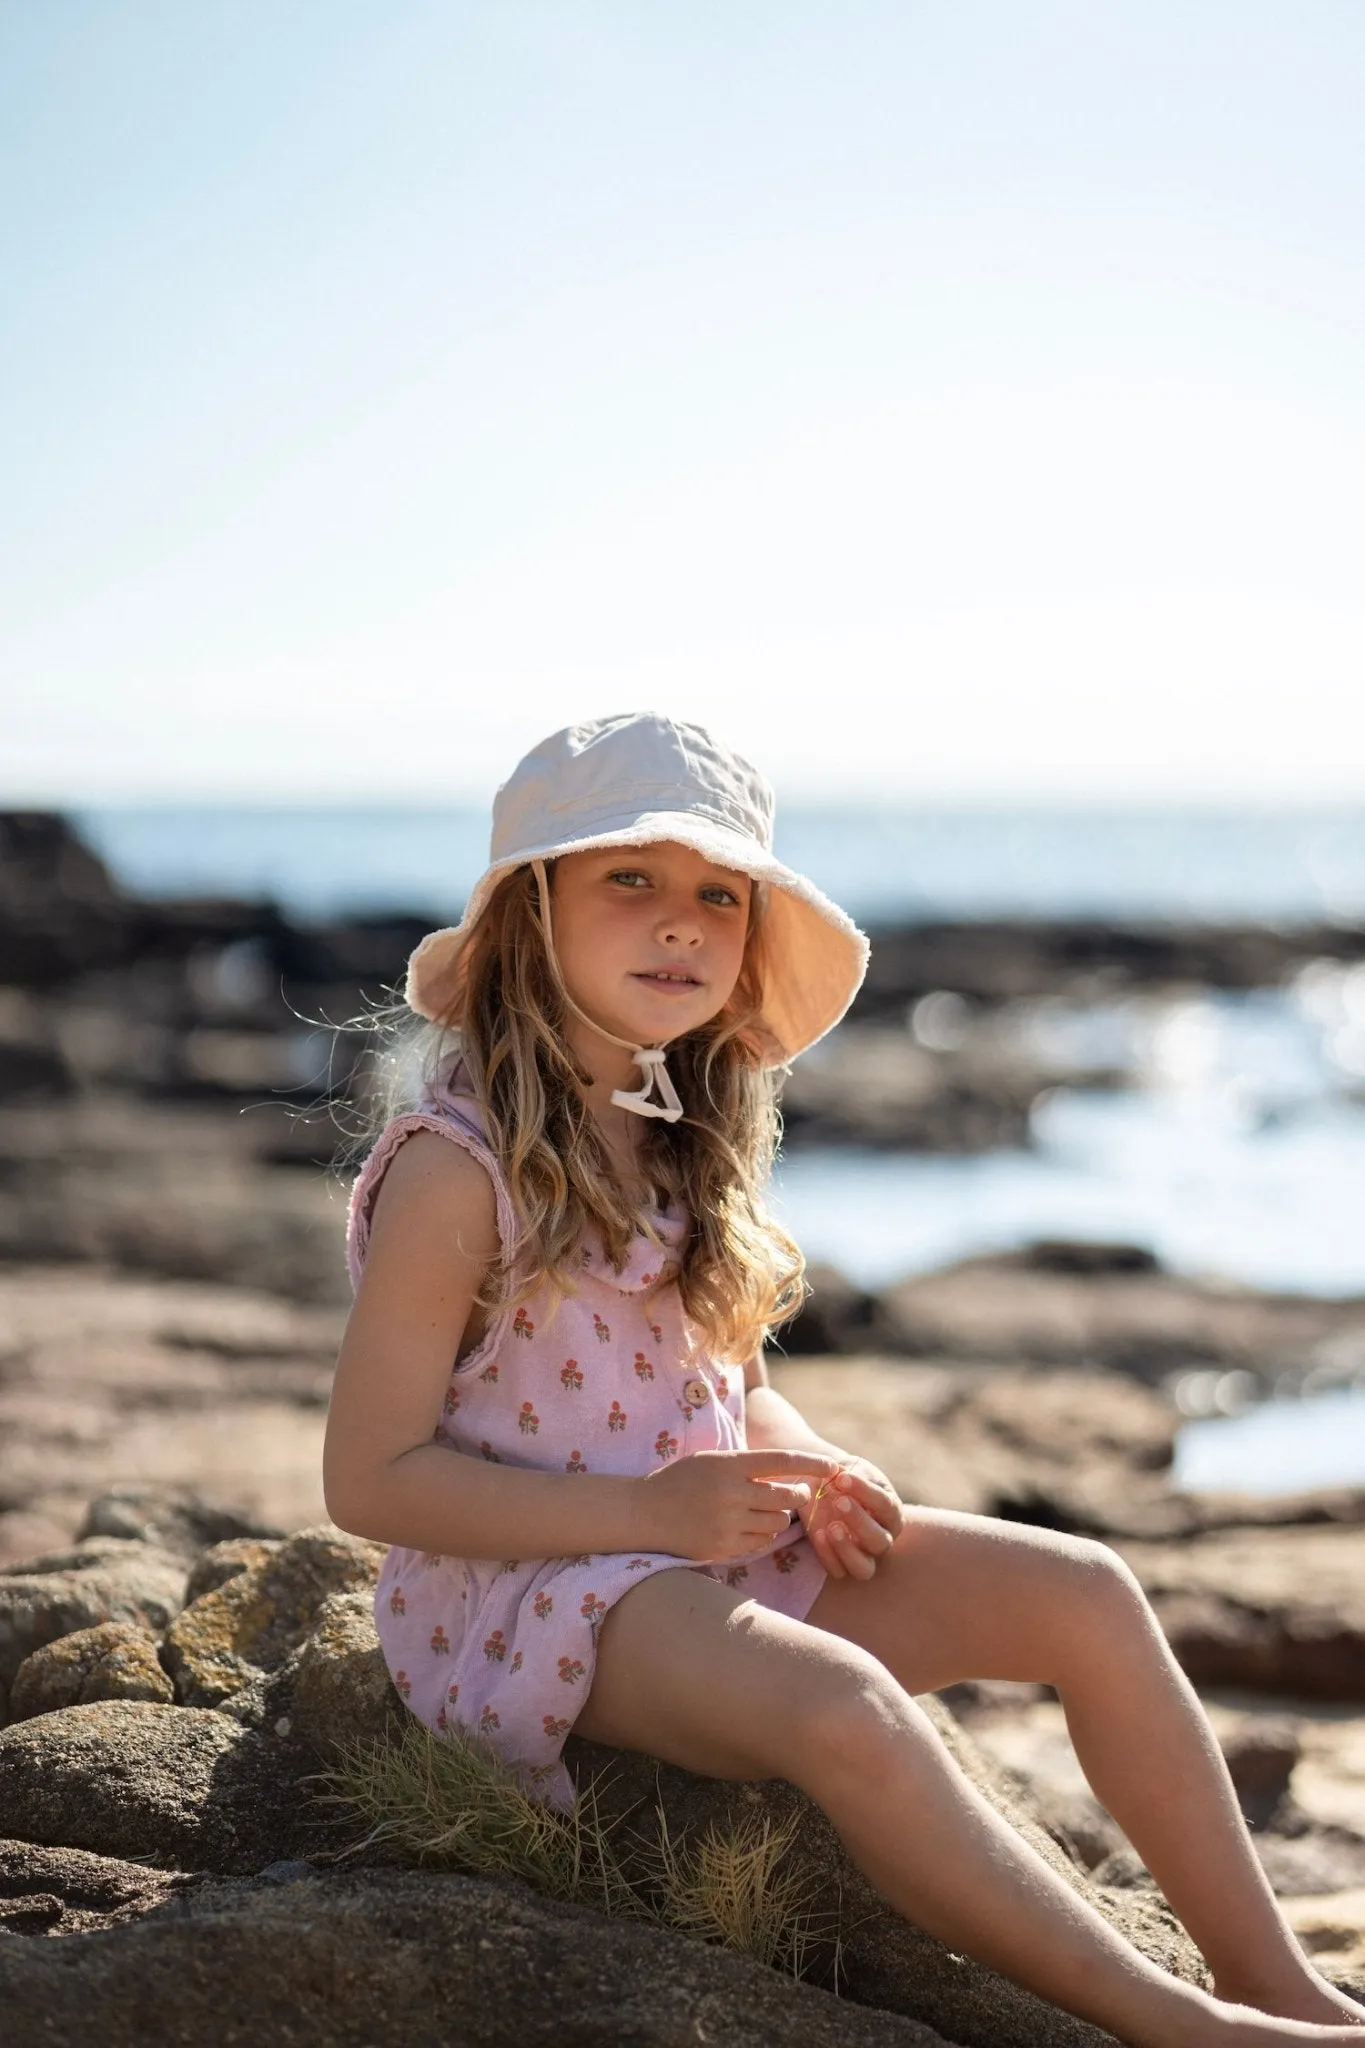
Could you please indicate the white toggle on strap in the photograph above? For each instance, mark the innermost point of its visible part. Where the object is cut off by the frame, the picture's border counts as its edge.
(651, 1060)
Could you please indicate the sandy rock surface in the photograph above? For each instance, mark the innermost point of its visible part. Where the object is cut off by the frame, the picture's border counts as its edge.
(106, 1376)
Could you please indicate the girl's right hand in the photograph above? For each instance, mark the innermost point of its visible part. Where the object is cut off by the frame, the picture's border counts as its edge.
(716, 1504)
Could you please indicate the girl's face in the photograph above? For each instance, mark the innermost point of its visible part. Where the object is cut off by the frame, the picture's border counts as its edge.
(650, 938)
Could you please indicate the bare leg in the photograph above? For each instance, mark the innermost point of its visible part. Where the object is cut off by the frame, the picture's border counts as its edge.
(689, 1671)
(961, 1596)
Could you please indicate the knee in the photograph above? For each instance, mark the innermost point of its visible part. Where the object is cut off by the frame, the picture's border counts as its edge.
(855, 1714)
(1106, 1594)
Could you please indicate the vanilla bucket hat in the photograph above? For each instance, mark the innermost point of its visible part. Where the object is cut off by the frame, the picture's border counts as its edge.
(637, 778)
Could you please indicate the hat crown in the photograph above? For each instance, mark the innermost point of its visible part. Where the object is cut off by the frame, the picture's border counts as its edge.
(589, 778)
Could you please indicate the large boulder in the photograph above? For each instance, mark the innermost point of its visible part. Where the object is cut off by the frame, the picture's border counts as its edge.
(182, 1786)
(887, 1961)
(402, 1959)
(102, 1578)
(244, 1628)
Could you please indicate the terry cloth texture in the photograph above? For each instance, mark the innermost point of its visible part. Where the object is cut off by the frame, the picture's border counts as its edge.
(608, 1383)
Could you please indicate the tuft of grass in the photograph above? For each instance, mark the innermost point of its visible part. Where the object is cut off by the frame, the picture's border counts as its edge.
(449, 1802)
(728, 1887)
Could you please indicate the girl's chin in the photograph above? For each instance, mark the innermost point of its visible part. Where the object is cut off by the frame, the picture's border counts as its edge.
(656, 1006)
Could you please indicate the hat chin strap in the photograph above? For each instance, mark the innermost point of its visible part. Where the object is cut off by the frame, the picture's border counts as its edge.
(650, 1059)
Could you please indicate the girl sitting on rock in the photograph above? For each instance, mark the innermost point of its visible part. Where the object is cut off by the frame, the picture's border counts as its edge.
(551, 1403)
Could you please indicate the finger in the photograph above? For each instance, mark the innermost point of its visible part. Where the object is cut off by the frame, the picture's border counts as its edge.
(771, 1493)
(862, 1526)
(783, 1463)
(875, 1497)
(827, 1553)
(859, 1564)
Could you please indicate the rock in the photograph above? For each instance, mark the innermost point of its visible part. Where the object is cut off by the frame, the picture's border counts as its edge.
(1145, 1324)
(1260, 1757)
(1331, 1928)
(402, 1959)
(102, 1578)
(1320, 1860)
(67, 1891)
(214, 1397)
(246, 1626)
(342, 1688)
(874, 1085)
(888, 1962)
(835, 1316)
(176, 1519)
(182, 1786)
(113, 1661)
(1072, 1449)
(1278, 1610)
(223, 1561)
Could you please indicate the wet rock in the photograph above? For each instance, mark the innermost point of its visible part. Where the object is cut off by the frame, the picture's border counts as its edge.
(102, 1578)
(183, 1786)
(871, 1084)
(113, 1661)
(246, 1626)
(1009, 1307)
(1001, 960)
(401, 1959)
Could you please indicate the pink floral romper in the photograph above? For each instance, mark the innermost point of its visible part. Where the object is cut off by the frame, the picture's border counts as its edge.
(609, 1383)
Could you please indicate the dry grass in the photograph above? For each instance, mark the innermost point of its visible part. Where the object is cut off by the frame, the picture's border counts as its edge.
(448, 1802)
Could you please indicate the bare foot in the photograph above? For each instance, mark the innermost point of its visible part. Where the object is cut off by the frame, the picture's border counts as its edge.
(1247, 2028)
(1313, 2000)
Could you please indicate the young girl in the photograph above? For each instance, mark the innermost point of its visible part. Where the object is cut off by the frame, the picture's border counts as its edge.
(551, 1403)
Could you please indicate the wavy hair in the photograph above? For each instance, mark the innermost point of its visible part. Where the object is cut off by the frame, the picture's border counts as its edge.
(738, 1272)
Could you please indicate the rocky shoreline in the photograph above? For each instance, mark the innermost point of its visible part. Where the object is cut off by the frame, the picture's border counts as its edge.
(218, 1003)
(184, 1636)
(177, 1675)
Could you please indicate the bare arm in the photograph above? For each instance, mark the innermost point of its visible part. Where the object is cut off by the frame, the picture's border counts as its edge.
(772, 1422)
(433, 1237)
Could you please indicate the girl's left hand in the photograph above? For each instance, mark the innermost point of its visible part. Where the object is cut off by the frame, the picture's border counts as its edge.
(854, 1520)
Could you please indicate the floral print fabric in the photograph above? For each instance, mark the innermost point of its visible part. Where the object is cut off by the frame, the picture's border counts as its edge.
(612, 1381)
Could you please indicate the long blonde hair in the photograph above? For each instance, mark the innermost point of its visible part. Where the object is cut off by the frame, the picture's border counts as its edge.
(738, 1272)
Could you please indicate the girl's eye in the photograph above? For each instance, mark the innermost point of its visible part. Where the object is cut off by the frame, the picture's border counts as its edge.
(631, 876)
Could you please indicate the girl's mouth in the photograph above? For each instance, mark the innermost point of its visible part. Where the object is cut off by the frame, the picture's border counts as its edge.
(665, 978)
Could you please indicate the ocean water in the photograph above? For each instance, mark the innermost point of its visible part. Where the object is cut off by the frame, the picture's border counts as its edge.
(1237, 1151)
(881, 862)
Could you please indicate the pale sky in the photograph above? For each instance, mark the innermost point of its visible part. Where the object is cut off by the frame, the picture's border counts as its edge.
(959, 400)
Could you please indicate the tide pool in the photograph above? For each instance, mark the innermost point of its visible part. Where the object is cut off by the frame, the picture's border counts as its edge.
(1279, 1447)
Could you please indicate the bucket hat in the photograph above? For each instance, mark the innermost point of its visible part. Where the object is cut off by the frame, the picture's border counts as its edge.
(638, 778)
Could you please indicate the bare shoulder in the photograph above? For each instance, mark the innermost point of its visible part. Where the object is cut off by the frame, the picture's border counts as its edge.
(434, 1191)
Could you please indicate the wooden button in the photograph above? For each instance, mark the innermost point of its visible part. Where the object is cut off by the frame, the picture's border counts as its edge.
(697, 1392)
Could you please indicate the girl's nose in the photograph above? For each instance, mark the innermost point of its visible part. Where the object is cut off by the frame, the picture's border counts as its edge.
(680, 924)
